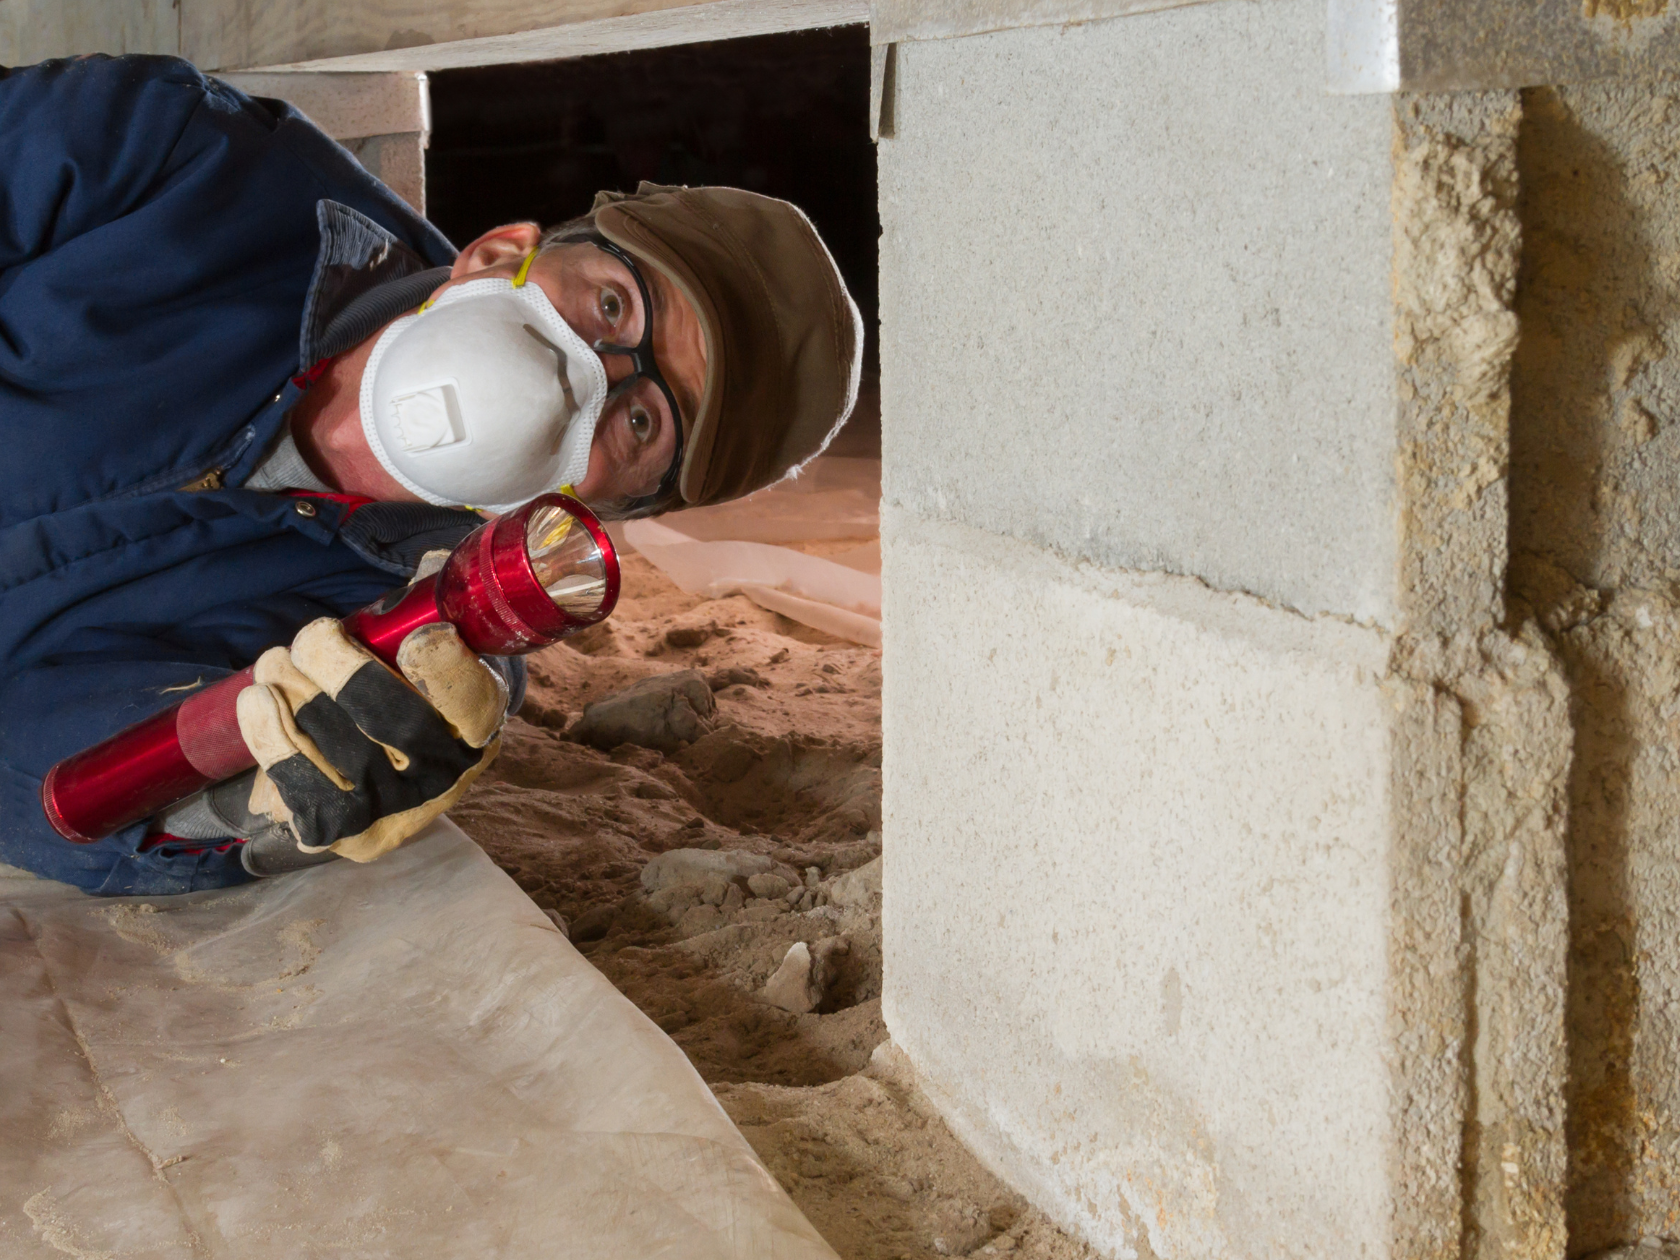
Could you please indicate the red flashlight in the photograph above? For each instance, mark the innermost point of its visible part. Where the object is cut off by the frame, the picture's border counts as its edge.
(513, 585)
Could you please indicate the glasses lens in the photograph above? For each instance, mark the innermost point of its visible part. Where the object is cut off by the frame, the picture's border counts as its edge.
(640, 434)
(619, 312)
(567, 561)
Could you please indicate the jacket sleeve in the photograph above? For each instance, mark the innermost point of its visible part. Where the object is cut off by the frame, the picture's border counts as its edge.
(84, 141)
(68, 702)
(53, 710)
(59, 707)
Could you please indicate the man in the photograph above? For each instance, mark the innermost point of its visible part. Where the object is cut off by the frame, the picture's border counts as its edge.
(244, 389)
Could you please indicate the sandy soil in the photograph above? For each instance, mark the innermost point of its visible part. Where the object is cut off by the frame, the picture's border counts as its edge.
(790, 768)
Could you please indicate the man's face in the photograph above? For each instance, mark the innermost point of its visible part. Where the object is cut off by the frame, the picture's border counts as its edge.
(596, 294)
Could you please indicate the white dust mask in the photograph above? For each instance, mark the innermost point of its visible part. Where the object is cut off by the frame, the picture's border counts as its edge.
(484, 397)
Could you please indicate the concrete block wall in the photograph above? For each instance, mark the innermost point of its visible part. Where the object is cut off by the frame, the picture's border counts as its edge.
(1233, 807)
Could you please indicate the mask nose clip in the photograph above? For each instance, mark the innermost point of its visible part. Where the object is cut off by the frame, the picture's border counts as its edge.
(562, 367)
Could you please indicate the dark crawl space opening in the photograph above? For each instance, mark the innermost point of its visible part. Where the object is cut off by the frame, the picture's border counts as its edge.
(786, 115)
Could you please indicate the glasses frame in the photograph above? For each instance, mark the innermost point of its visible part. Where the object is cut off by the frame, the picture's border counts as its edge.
(642, 366)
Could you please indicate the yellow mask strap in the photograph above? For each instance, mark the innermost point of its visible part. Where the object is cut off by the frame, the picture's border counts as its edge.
(518, 281)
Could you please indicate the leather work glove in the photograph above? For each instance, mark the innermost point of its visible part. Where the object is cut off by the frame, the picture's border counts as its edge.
(356, 760)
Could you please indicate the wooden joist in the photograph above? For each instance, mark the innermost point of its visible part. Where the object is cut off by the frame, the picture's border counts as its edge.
(391, 35)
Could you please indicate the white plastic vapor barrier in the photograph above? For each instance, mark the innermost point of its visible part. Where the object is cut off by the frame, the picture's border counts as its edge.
(731, 548)
(391, 1060)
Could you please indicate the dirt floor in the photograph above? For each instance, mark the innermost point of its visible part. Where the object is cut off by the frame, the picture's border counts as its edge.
(787, 767)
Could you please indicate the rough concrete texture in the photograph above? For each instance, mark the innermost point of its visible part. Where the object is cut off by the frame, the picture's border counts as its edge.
(1595, 519)
(1456, 237)
(1454, 45)
(1598, 379)
(1478, 947)
(1136, 300)
(1270, 907)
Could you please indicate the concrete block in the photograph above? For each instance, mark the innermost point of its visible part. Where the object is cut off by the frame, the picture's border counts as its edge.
(397, 161)
(1136, 301)
(1215, 928)
(349, 106)
(1151, 1010)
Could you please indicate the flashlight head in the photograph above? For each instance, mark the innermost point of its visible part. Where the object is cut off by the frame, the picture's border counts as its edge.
(530, 578)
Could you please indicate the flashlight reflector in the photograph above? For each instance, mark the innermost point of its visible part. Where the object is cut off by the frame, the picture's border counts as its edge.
(567, 560)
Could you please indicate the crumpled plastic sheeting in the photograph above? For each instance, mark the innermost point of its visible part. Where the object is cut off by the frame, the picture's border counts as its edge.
(400, 1059)
(833, 497)
(728, 549)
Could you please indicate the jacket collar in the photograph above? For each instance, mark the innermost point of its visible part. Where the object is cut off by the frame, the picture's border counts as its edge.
(364, 278)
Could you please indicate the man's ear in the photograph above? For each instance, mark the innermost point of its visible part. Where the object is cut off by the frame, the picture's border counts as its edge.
(508, 243)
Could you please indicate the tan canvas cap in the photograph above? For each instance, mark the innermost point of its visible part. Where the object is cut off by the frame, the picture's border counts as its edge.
(783, 337)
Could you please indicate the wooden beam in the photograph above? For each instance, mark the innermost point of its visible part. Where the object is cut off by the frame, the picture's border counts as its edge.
(33, 30)
(398, 162)
(348, 106)
(385, 120)
(587, 27)
(390, 35)
(894, 21)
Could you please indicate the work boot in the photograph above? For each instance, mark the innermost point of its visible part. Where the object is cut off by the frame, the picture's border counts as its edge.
(274, 851)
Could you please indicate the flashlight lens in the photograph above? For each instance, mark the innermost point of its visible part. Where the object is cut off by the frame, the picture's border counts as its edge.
(566, 561)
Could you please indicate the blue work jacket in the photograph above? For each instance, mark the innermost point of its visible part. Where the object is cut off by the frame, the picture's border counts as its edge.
(169, 252)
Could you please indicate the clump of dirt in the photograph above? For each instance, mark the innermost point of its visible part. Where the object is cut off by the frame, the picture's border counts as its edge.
(789, 768)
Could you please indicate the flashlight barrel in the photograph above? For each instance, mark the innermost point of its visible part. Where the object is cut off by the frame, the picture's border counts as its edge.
(152, 764)
(488, 589)
(383, 625)
(185, 748)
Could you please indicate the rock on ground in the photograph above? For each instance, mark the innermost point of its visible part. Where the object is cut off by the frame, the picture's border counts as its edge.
(695, 866)
(791, 988)
(663, 713)
(859, 889)
(802, 982)
(767, 885)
